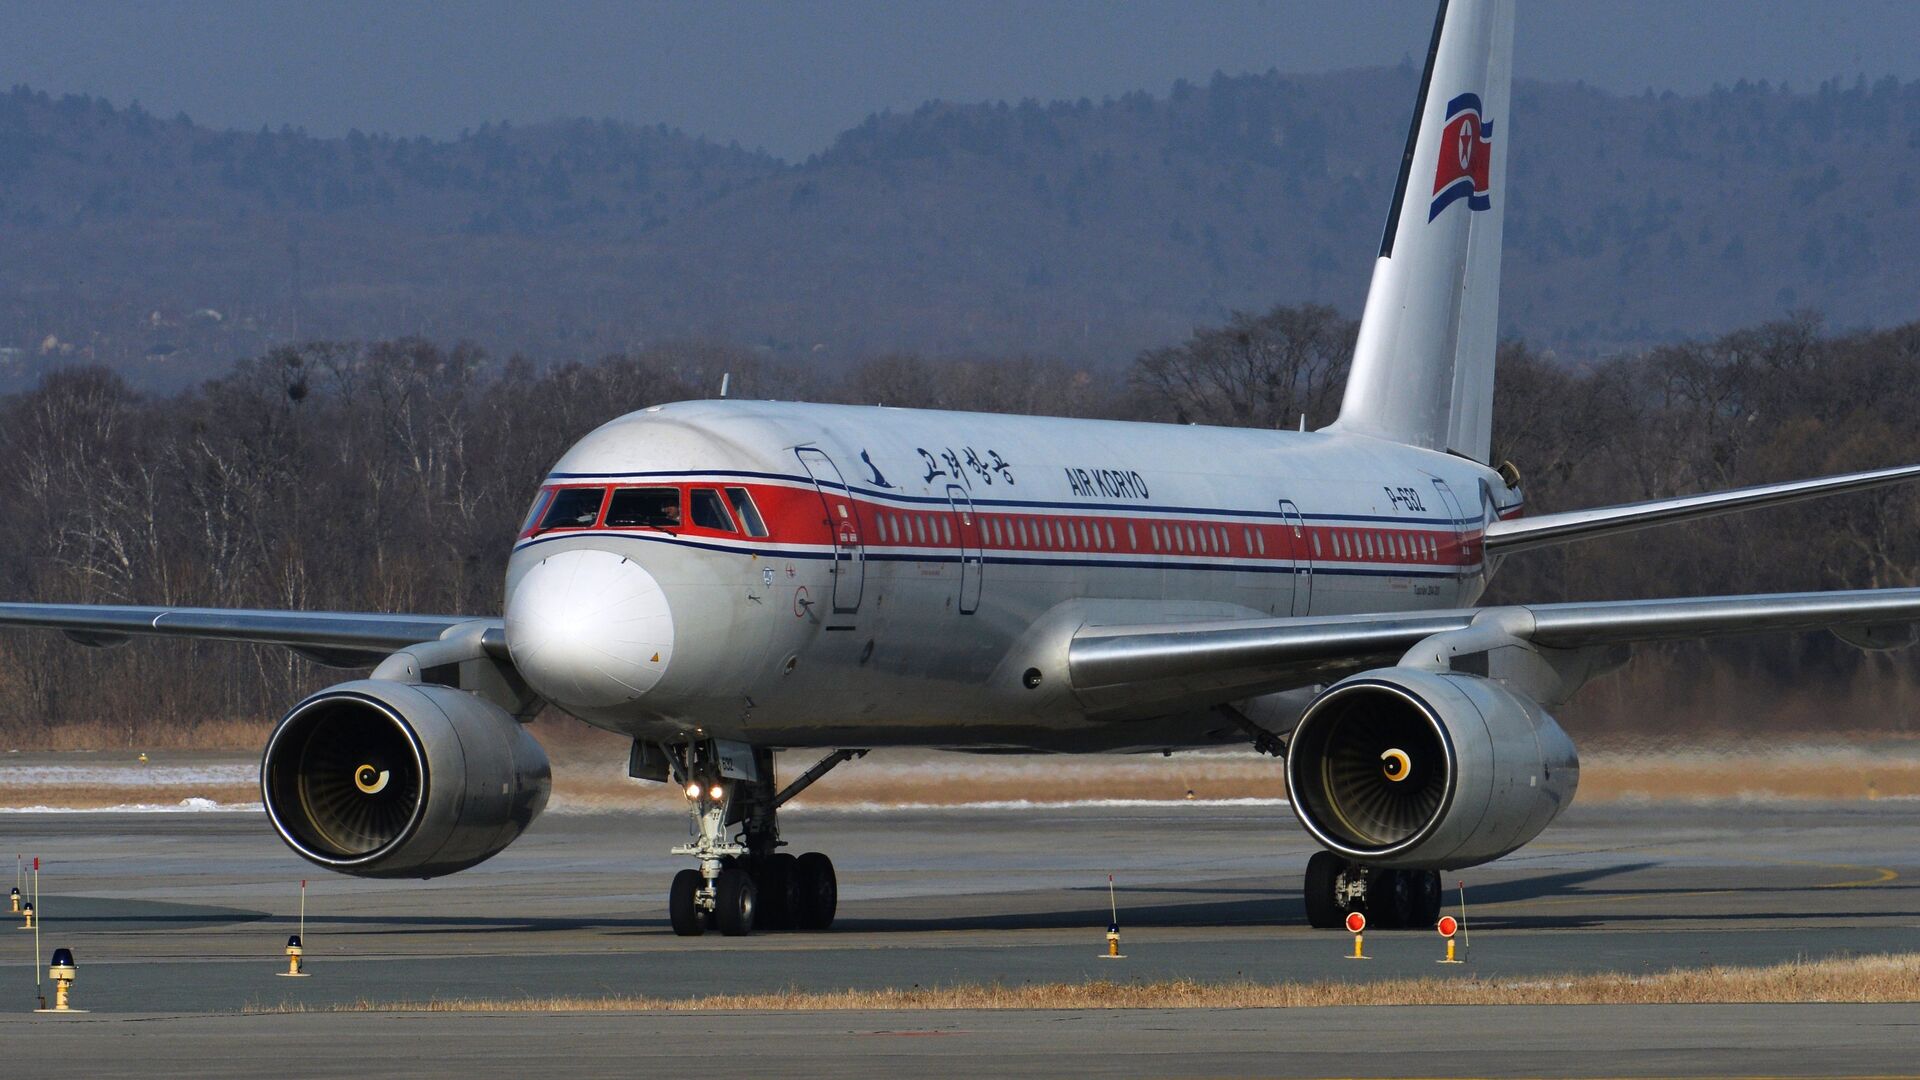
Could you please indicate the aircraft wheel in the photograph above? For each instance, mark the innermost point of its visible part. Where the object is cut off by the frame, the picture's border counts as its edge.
(775, 885)
(1390, 899)
(816, 892)
(1426, 891)
(733, 902)
(688, 920)
(1323, 870)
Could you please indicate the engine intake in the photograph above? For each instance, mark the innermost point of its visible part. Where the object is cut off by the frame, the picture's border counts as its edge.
(386, 779)
(1427, 770)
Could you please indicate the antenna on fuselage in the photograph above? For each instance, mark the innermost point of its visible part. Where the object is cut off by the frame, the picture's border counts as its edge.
(725, 378)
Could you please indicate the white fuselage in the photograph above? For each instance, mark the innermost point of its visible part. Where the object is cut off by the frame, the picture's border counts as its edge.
(912, 563)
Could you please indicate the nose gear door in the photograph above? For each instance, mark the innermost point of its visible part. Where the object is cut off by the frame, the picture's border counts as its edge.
(968, 526)
(843, 523)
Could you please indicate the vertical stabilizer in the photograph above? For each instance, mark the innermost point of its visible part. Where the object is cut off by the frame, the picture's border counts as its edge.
(1423, 364)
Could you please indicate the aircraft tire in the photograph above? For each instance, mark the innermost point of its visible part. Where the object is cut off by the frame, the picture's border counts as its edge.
(687, 918)
(1322, 869)
(776, 886)
(1390, 899)
(816, 892)
(1426, 891)
(734, 901)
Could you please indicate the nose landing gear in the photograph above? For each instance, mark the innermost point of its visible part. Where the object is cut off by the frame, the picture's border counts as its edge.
(744, 882)
(1390, 899)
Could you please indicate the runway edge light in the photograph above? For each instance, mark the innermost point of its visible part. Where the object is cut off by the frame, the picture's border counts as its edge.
(1113, 928)
(62, 971)
(296, 948)
(295, 953)
(1356, 924)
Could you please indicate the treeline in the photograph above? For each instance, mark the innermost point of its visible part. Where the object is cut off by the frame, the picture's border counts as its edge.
(1085, 229)
(390, 476)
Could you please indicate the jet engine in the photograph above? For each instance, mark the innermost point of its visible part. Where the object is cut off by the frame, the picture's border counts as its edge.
(1412, 769)
(387, 779)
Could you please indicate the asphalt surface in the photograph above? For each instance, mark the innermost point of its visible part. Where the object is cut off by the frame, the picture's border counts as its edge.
(177, 922)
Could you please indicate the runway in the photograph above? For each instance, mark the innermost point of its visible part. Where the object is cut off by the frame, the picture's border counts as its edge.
(177, 922)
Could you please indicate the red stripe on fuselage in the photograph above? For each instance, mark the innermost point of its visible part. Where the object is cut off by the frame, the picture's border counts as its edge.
(795, 516)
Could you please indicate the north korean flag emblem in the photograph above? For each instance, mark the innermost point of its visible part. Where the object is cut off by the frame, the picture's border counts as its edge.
(1466, 158)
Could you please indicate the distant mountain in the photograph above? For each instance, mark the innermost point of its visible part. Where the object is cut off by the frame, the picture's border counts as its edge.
(1078, 229)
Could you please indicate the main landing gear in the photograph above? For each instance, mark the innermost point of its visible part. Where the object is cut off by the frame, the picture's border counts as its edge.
(744, 881)
(1390, 899)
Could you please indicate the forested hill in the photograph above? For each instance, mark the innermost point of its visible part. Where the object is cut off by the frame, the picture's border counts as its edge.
(1083, 230)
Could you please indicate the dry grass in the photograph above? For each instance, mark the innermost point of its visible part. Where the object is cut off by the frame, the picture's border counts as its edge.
(207, 735)
(1871, 979)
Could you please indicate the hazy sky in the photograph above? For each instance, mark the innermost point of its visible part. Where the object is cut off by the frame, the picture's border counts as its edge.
(789, 76)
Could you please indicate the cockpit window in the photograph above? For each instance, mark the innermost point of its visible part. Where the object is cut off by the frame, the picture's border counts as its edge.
(539, 507)
(748, 513)
(708, 511)
(644, 508)
(574, 508)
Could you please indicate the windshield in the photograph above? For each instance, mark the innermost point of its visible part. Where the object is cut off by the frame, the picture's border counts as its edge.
(574, 508)
(644, 508)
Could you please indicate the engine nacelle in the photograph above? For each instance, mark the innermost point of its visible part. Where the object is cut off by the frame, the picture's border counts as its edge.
(387, 779)
(1427, 770)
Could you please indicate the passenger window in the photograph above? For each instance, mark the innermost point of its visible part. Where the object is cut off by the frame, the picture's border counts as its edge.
(946, 530)
(579, 508)
(1112, 542)
(748, 513)
(1315, 537)
(1133, 538)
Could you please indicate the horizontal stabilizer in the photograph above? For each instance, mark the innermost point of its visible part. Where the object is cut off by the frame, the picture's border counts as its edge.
(1519, 534)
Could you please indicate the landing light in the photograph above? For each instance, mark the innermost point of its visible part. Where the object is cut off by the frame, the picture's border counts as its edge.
(717, 793)
(693, 791)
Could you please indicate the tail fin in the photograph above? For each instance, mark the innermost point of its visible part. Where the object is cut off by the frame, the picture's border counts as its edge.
(1423, 364)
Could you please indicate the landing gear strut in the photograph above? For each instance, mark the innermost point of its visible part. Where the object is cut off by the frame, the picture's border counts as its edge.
(744, 882)
(1390, 899)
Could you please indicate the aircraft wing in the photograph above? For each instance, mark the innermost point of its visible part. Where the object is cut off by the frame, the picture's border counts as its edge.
(1199, 663)
(1518, 534)
(338, 638)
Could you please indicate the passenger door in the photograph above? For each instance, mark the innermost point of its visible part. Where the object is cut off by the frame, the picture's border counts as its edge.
(1296, 531)
(1461, 528)
(971, 564)
(843, 522)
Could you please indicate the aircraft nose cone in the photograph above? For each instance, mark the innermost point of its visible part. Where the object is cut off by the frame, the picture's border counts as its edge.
(589, 628)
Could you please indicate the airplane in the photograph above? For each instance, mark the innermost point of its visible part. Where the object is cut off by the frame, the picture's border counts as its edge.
(721, 580)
